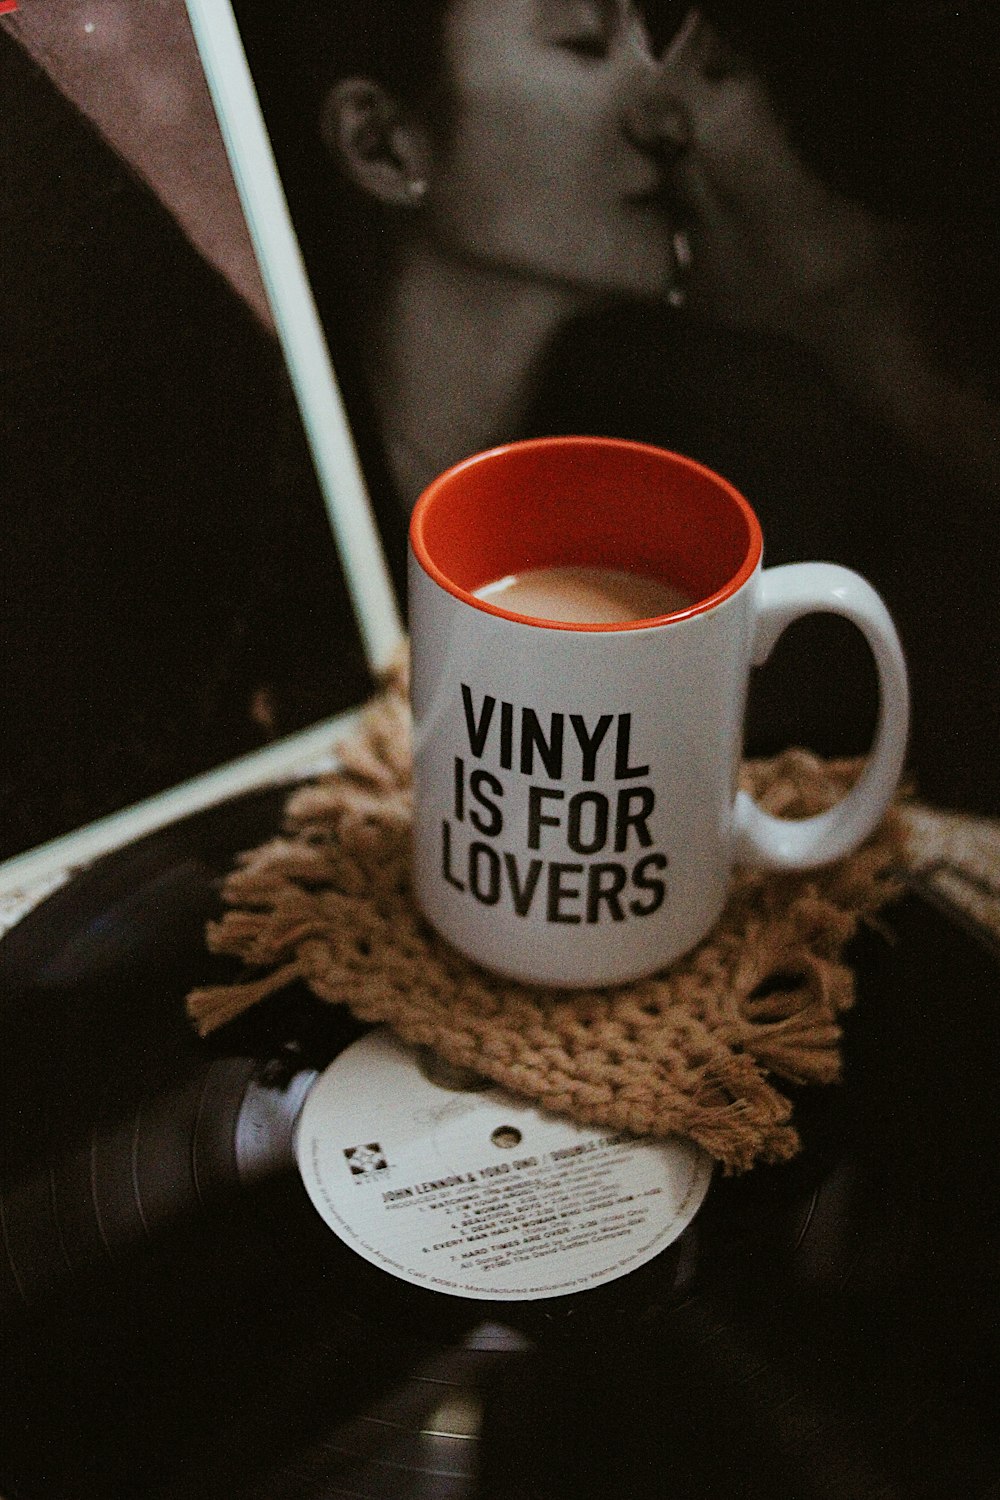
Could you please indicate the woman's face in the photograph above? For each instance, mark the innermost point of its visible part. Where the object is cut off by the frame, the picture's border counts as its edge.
(538, 173)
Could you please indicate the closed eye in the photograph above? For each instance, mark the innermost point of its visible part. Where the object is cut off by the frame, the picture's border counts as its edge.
(584, 27)
(586, 46)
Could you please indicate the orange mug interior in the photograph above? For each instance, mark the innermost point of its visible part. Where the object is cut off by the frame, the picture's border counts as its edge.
(586, 502)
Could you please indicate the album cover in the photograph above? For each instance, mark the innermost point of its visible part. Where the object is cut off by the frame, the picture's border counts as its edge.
(759, 238)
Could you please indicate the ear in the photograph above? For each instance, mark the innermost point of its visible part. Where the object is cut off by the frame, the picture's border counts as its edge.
(379, 147)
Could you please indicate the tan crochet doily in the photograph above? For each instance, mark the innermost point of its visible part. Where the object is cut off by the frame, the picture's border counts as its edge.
(694, 1051)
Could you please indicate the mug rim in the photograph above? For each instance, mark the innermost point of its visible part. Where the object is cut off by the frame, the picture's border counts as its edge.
(709, 602)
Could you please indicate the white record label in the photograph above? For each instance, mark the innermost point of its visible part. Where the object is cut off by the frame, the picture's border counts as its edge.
(477, 1194)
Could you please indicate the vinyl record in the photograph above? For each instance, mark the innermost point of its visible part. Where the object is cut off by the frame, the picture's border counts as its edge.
(179, 1320)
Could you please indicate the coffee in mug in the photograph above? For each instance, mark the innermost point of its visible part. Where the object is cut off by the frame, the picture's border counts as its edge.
(585, 596)
(575, 781)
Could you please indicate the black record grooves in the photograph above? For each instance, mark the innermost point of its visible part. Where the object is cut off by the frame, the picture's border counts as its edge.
(178, 1323)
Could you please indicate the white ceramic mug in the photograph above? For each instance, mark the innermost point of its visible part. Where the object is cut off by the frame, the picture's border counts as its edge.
(576, 811)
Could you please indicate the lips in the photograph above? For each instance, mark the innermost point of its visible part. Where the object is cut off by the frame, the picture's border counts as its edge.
(672, 201)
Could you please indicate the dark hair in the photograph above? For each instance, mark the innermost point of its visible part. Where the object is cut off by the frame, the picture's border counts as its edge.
(894, 102)
(299, 54)
(295, 56)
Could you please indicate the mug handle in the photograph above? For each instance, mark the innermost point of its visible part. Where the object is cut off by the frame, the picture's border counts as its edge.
(788, 592)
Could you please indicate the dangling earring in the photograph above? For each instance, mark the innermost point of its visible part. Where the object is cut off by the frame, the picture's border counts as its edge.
(677, 295)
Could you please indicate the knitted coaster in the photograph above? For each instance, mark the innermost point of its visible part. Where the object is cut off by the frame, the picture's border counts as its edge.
(693, 1051)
